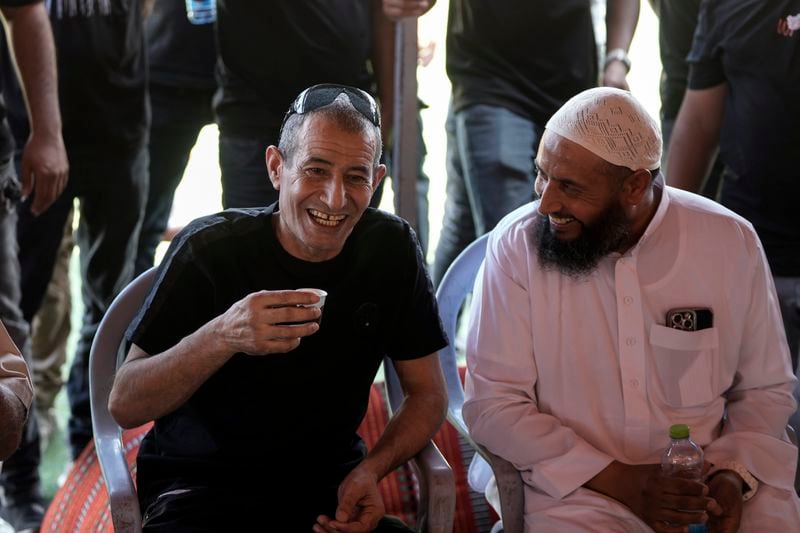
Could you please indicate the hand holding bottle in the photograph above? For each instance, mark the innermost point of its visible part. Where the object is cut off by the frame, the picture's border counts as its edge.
(726, 489)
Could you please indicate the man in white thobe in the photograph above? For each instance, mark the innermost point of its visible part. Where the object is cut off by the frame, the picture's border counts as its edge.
(575, 371)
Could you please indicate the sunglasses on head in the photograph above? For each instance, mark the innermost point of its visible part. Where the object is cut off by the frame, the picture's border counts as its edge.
(324, 94)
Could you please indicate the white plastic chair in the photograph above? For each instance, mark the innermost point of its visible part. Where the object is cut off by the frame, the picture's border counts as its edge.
(456, 285)
(436, 495)
(106, 356)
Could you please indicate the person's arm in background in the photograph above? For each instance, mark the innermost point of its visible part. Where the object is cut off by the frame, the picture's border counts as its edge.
(410, 429)
(384, 15)
(147, 8)
(383, 40)
(16, 395)
(12, 419)
(695, 137)
(44, 159)
(621, 19)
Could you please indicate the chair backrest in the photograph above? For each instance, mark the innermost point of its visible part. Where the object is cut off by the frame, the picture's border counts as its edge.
(106, 355)
(456, 285)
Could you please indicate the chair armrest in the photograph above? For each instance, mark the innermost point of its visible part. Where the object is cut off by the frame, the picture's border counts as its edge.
(508, 478)
(121, 492)
(437, 491)
(511, 490)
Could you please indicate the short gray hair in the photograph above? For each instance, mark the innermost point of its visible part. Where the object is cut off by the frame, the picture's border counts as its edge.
(342, 113)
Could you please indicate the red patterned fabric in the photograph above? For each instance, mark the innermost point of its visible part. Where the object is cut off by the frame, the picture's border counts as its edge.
(81, 504)
(399, 488)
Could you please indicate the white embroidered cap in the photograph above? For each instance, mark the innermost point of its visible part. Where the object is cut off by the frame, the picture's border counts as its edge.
(611, 124)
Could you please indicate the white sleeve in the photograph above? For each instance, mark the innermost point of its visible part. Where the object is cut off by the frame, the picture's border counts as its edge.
(760, 401)
(501, 408)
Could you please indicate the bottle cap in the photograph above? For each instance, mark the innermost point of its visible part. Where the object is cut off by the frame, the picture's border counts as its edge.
(679, 431)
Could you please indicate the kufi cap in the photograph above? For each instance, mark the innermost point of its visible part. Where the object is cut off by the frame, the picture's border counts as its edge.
(611, 124)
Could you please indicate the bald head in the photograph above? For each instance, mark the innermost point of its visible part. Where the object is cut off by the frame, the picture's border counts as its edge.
(611, 124)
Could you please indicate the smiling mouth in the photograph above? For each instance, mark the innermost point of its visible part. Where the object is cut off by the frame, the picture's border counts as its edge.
(560, 221)
(324, 219)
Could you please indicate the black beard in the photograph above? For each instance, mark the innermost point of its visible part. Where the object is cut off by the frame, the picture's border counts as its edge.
(579, 257)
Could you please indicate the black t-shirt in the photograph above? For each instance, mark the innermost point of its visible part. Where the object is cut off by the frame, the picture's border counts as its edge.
(749, 45)
(290, 416)
(676, 24)
(6, 139)
(101, 71)
(181, 54)
(527, 56)
(270, 50)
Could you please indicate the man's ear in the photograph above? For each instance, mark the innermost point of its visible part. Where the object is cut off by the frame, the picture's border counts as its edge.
(275, 162)
(377, 176)
(636, 186)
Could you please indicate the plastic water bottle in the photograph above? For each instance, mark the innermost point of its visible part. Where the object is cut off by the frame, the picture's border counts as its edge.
(201, 11)
(683, 458)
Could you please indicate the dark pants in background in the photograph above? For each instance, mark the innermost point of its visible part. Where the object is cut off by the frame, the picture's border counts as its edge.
(111, 184)
(178, 115)
(20, 473)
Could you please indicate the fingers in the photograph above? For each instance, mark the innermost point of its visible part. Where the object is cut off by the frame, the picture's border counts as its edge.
(269, 322)
(26, 177)
(289, 340)
(43, 177)
(323, 525)
(265, 299)
(45, 193)
(678, 518)
(688, 503)
(285, 316)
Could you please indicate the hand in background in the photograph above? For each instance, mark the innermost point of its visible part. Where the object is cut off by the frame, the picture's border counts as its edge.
(44, 171)
(615, 75)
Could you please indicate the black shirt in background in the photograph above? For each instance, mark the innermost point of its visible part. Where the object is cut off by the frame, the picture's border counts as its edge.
(271, 50)
(7, 82)
(676, 24)
(738, 42)
(527, 56)
(285, 418)
(181, 54)
(101, 71)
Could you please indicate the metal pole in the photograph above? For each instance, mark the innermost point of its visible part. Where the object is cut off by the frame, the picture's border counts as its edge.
(404, 151)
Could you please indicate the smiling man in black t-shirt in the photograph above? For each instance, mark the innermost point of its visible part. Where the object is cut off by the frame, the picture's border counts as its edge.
(240, 398)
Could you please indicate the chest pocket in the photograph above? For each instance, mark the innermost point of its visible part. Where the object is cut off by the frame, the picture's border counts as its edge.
(684, 362)
(367, 325)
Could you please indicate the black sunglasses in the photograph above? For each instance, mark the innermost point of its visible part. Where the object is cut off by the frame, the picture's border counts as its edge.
(319, 96)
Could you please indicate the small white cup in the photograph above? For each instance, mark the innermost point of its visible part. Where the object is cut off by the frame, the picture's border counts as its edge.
(319, 292)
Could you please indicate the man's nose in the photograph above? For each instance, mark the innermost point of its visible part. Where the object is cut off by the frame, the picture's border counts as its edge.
(334, 193)
(548, 199)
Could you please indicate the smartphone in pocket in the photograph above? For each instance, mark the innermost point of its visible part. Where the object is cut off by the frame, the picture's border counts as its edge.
(690, 318)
